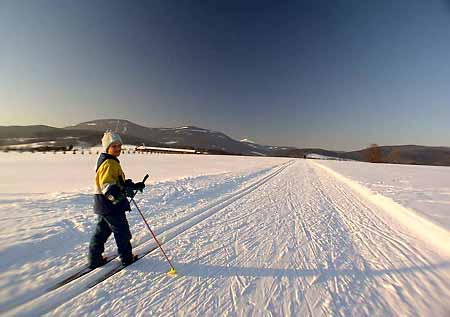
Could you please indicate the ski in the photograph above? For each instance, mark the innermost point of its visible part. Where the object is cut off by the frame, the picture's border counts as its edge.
(118, 268)
(77, 275)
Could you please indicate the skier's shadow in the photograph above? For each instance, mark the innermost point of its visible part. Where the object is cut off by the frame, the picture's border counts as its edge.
(217, 271)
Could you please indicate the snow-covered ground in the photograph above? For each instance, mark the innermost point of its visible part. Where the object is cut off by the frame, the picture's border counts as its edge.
(322, 157)
(424, 189)
(54, 173)
(247, 235)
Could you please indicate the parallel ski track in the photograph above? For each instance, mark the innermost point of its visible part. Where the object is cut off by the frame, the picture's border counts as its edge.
(375, 238)
(328, 253)
(59, 293)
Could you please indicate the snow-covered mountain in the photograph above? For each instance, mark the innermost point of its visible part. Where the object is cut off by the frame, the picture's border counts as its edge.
(42, 137)
(88, 134)
(185, 136)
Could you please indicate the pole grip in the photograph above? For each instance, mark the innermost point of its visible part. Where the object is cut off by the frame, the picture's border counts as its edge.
(145, 178)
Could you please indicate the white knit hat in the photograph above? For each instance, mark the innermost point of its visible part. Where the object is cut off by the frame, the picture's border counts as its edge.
(109, 138)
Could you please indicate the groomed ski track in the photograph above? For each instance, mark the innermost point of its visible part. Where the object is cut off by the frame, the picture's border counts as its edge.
(54, 295)
(297, 242)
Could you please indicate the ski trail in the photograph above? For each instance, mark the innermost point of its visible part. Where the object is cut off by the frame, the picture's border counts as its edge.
(300, 244)
(417, 225)
(52, 299)
(394, 249)
(59, 234)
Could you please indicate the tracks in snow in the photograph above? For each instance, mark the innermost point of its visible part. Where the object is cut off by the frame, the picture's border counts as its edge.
(301, 244)
(49, 300)
(392, 268)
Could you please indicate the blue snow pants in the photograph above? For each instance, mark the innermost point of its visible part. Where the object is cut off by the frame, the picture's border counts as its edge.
(107, 224)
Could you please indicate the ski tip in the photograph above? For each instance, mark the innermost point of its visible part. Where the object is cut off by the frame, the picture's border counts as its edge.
(172, 272)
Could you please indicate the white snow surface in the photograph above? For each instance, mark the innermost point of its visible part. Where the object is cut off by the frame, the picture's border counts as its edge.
(24, 173)
(323, 157)
(247, 235)
(247, 141)
(424, 189)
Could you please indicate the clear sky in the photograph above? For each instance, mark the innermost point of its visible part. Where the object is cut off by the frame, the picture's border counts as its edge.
(331, 74)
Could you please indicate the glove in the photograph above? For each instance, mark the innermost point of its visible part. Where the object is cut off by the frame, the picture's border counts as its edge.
(139, 186)
(129, 191)
(129, 187)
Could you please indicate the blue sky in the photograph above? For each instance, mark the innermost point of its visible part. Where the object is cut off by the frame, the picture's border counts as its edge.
(331, 74)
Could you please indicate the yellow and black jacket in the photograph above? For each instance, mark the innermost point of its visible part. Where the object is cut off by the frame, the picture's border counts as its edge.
(109, 195)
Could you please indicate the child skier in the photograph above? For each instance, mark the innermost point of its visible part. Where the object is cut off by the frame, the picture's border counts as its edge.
(110, 203)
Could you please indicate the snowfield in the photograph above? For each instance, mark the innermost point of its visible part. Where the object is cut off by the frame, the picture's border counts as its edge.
(247, 235)
(425, 189)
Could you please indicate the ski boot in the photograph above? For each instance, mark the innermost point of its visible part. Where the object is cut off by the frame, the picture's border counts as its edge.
(130, 260)
(97, 263)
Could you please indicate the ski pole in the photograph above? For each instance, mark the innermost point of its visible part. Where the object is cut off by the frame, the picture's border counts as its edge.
(172, 270)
